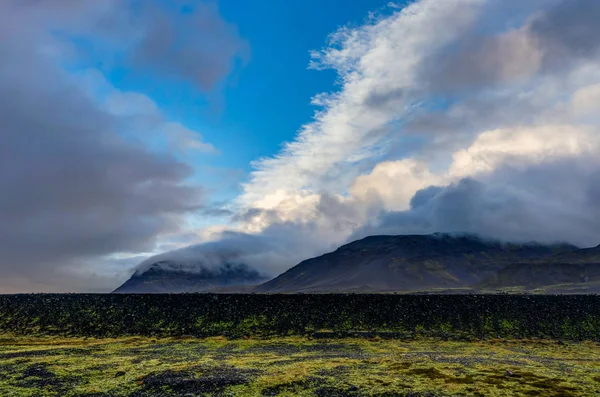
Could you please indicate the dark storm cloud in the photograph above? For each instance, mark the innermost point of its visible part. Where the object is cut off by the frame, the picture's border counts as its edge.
(549, 202)
(71, 188)
(569, 30)
(560, 33)
(197, 45)
(183, 40)
(216, 211)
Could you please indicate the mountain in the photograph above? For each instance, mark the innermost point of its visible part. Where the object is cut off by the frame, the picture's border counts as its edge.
(569, 272)
(586, 255)
(417, 263)
(408, 263)
(167, 276)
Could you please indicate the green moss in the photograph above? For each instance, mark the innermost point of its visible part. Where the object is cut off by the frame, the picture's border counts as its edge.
(298, 366)
(508, 328)
(488, 326)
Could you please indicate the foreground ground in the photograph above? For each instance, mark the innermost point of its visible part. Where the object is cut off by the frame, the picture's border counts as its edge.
(141, 367)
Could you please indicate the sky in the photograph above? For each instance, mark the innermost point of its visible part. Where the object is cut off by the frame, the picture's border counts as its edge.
(267, 133)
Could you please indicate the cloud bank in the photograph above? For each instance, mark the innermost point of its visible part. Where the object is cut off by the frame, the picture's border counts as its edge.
(79, 175)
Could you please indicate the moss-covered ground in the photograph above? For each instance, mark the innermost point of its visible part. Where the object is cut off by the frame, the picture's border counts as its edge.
(141, 367)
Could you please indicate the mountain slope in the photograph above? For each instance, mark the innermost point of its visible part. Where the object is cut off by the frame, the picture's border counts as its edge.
(575, 271)
(586, 255)
(164, 277)
(407, 263)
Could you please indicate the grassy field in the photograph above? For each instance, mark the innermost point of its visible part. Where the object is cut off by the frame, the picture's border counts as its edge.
(143, 367)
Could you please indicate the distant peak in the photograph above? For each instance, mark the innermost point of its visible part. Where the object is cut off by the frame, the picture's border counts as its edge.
(431, 236)
(171, 276)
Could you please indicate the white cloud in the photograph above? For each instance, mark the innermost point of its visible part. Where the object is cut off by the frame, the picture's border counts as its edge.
(378, 65)
(185, 139)
(130, 103)
(388, 75)
(532, 145)
(586, 101)
(394, 183)
(143, 119)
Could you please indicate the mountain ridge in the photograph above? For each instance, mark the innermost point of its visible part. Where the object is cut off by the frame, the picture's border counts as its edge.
(395, 263)
(407, 262)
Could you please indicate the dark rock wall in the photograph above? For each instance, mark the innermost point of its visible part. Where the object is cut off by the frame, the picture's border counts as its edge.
(569, 317)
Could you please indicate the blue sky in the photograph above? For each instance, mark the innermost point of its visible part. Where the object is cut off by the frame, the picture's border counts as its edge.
(264, 102)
